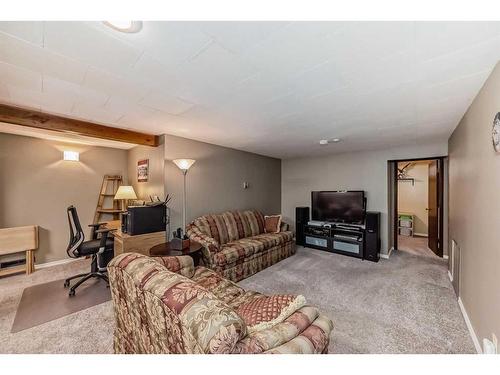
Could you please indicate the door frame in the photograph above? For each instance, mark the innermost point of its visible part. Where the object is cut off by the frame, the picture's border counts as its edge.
(393, 203)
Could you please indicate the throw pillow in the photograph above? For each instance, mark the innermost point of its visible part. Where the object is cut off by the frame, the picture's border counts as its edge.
(272, 223)
(266, 312)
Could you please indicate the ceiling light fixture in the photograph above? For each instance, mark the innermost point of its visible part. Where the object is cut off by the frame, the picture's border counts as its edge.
(125, 26)
(324, 142)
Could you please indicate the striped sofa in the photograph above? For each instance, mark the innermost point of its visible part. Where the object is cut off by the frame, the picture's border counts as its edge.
(235, 243)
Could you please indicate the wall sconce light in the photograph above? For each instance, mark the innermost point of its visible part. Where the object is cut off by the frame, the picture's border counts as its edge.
(71, 155)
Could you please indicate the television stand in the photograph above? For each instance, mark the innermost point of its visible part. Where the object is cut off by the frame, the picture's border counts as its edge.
(356, 240)
(337, 238)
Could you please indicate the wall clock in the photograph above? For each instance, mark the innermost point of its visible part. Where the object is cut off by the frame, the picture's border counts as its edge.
(496, 132)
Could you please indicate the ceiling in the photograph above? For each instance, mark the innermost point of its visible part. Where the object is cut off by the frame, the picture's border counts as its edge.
(273, 88)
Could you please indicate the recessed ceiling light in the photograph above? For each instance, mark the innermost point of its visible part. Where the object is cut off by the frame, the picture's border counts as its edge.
(125, 26)
(328, 141)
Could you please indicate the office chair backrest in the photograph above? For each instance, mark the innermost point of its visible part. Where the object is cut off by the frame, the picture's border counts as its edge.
(76, 235)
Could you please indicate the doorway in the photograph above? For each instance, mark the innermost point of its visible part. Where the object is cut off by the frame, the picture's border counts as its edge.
(416, 189)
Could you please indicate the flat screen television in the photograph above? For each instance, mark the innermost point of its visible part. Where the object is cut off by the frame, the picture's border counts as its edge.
(338, 206)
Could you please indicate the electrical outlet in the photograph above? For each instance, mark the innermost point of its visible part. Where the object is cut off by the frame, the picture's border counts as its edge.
(490, 346)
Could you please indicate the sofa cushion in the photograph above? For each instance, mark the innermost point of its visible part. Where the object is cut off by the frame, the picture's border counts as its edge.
(272, 224)
(267, 311)
(222, 288)
(246, 247)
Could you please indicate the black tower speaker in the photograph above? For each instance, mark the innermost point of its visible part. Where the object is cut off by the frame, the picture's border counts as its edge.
(372, 236)
(301, 219)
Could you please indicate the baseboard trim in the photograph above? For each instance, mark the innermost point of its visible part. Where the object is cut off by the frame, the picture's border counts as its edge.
(386, 256)
(450, 276)
(54, 263)
(469, 326)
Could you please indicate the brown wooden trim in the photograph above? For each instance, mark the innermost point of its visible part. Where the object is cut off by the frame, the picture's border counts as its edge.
(394, 182)
(40, 120)
(419, 159)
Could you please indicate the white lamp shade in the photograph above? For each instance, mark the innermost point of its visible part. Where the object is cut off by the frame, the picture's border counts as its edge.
(125, 192)
(184, 164)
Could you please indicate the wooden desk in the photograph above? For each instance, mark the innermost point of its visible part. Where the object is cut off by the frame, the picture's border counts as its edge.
(141, 243)
(16, 240)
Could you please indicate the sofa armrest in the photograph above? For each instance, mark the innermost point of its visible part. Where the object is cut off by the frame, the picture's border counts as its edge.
(210, 245)
(284, 227)
(159, 312)
(183, 265)
(282, 338)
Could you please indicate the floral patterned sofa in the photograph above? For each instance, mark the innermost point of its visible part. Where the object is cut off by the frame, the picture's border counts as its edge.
(165, 305)
(236, 245)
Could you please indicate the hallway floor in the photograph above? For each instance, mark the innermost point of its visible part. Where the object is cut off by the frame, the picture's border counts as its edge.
(416, 246)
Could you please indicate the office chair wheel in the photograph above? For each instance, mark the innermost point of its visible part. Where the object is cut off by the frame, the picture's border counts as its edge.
(71, 292)
(66, 284)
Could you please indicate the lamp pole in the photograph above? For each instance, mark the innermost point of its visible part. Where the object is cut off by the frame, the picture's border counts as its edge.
(184, 172)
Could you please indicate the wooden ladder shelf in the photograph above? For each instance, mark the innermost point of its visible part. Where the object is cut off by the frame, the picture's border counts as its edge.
(110, 185)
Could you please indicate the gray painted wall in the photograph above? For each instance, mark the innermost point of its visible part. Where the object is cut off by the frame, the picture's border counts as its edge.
(155, 184)
(474, 205)
(215, 181)
(36, 187)
(348, 171)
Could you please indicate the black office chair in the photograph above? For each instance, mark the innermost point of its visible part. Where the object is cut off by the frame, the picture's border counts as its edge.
(101, 249)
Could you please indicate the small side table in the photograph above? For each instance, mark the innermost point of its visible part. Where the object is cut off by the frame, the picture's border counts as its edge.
(194, 251)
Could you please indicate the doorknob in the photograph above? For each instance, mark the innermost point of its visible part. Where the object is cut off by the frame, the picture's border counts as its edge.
(428, 209)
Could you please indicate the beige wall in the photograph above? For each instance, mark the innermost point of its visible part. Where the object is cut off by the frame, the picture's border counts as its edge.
(413, 198)
(350, 171)
(215, 181)
(36, 187)
(474, 205)
(155, 184)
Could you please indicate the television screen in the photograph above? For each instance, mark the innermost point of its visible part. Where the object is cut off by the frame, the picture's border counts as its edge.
(338, 206)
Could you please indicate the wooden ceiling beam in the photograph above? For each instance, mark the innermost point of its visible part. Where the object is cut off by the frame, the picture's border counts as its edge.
(40, 120)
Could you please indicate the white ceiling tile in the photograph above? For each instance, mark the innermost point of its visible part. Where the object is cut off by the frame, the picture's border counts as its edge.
(84, 111)
(110, 84)
(20, 77)
(37, 59)
(146, 119)
(216, 65)
(238, 36)
(79, 41)
(169, 42)
(434, 39)
(25, 98)
(4, 92)
(465, 62)
(29, 31)
(86, 96)
(166, 103)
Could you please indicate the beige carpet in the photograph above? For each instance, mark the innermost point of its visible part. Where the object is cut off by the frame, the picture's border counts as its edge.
(86, 331)
(416, 246)
(401, 305)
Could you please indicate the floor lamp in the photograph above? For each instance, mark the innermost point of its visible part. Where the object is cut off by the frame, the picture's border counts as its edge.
(184, 165)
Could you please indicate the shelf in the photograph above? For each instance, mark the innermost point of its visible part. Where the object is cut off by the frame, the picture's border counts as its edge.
(407, 180)
(109, 211)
